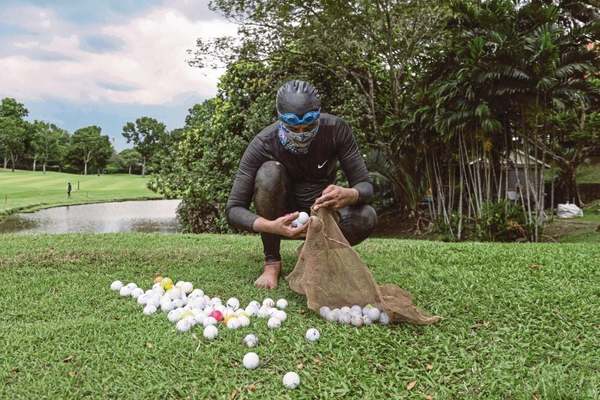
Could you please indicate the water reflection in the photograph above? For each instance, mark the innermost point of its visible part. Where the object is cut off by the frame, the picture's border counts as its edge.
(128, 216)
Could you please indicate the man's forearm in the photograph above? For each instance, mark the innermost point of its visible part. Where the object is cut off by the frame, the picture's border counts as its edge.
(261, 225)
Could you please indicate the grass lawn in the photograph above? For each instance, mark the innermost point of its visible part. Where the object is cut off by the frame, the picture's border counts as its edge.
(520, 322)
(27, 190)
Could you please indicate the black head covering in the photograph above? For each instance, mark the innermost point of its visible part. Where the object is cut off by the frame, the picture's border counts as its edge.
(298, 97)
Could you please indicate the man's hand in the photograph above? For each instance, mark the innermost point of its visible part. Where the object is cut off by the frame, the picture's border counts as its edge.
(336, 197)
(282, 226)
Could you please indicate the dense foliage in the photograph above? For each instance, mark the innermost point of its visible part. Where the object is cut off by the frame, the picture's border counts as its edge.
(428, 87)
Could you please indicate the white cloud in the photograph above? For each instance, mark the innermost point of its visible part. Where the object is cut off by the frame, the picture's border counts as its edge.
(148, 67)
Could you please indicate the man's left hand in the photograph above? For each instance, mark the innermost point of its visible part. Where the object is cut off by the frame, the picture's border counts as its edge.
(336, 197)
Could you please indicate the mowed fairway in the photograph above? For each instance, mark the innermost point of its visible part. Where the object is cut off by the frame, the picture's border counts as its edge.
(32, 190)
(520, 322)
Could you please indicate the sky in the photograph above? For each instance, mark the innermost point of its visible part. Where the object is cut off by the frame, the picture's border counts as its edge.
(106, 62)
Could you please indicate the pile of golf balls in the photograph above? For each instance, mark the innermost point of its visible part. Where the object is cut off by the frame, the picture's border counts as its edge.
(355, 315)
(187, 307)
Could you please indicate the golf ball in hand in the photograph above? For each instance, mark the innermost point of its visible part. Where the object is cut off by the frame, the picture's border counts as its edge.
(291, 380)
(250, 360)
(302, 218)
(116, 285)
(312, 335)
(211, 332)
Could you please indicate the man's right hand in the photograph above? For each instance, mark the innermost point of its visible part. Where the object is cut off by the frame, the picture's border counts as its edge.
(281, 226)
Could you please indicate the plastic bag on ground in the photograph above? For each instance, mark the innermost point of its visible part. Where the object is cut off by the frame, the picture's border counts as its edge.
(568, 211)
(330, 273)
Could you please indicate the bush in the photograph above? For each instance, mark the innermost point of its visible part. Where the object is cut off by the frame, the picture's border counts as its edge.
(502, 221)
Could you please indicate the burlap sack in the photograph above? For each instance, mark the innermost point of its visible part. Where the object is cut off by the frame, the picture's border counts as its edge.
(330, 273)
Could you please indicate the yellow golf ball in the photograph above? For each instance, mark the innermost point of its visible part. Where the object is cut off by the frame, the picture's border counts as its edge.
(167, 283)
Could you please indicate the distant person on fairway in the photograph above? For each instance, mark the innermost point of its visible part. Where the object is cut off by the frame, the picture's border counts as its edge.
(290, 166)
(69, 188)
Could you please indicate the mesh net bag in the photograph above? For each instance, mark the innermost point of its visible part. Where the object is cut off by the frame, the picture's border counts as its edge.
(330, 273)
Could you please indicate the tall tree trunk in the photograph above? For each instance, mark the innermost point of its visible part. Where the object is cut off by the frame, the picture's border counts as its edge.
(44, 167)
(12, 161)
(34, 162)
(5, 161)
(144, 166)
(129, 169)
(85, 168)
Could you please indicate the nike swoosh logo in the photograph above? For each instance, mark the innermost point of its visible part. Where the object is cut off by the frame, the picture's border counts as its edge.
(321, 165)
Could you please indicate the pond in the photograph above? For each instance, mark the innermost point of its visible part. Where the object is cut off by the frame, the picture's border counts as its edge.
(126, 216)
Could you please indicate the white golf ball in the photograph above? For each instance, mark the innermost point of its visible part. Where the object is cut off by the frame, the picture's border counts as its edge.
(367, 320)
(174, 315)
(291, 380)
(211, 332)
(209, 321)
(143, 299)
(303, 218)
(274, 323)
(233, 323)
(312, 335)
(187, 287)
(244, 321)
(178, 303)
(344, 317)
(345, 309)
(216, 301)
(131, 285)
(268, 302)
(154, 300)
(279, 314)
(357, 320)
(167, 305)
(251, 310)
(116, 286)
(233, 303)
(323, 311)
(125, 291)
(254, 303)
(373, 313)
(264, 312)
(356, 309)
(334, 314)
(196, 293)
(137, 292)
(282, 304)
(175, 293)
(250, 340)
(149, 309)
(250, 361)
(184, 325)
(384, 319)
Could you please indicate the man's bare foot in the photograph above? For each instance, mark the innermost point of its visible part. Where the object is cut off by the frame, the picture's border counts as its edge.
(270, 275)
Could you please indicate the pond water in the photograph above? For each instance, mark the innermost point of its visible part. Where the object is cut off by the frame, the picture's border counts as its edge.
(127, 216)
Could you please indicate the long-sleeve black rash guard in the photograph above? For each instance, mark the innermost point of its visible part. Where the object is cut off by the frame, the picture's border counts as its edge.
(309, 173)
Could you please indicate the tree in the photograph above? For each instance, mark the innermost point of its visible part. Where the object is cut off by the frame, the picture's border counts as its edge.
(46, 143)
(13, 130)
(145, 135)
(130, 158)
(89, 146)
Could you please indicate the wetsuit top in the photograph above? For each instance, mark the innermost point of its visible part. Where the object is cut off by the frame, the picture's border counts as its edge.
(309, 173)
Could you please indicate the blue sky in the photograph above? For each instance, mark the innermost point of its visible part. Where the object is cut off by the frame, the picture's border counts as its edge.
(79, 63)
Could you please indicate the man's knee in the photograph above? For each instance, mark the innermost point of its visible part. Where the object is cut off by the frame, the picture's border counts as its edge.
(270, 176)
(358, 222)
(270, 189)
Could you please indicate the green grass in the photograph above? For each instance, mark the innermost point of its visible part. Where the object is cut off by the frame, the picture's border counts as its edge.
(27, 190)
(519, 321)
(588, 173)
